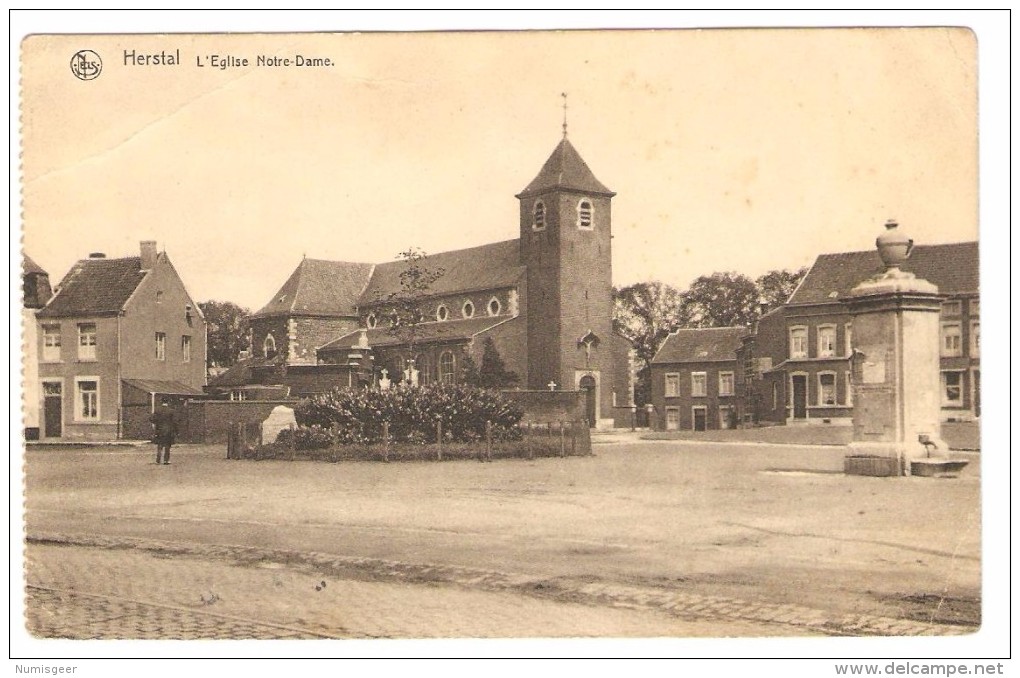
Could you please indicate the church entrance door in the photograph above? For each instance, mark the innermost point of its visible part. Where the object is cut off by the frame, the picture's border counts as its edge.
(587, 385)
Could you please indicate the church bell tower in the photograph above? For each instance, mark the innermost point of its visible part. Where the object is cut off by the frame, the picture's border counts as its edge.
(566, 245)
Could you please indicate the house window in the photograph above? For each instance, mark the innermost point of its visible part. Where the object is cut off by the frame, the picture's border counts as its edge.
(185, 349)
(468, 309)
(951, 340)
(87, 341)
(975, 339)
(269, 346)
(848, 339)
(446, 367)
(952, 388)
(371, 321)
(951, 309)
(975, 307)
(826, 341)
(849, 390)
(826, 388)
(160, 345)
(86, 399)
(672, 418)
(798, 342)
(538, 217)
(494, 306)
(727, 418)
(673, 385)
(775, 397)
(51, 343)
(159, 296)
(584, 214)
(726, 387)
(442, 313)
(699, 384)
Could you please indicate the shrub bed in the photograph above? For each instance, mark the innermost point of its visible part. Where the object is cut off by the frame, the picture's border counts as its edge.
(412, 415)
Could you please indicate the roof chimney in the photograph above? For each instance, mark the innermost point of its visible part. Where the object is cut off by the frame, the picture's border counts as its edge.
(148, 250)
(96, 255)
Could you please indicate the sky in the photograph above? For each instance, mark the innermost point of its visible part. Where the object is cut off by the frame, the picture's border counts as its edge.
(729, 150)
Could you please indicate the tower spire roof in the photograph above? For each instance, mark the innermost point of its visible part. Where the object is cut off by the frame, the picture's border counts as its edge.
(566, 170)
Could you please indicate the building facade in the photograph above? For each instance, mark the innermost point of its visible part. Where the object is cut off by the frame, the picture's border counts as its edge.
(35, 292)
(695, 380)
(544, 299)
(114, 327)
(799, 357)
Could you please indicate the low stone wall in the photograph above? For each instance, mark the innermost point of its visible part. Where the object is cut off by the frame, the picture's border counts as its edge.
(209, 421)
(541, 407)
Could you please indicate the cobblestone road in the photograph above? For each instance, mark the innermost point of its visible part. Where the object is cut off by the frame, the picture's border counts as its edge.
(92, 587)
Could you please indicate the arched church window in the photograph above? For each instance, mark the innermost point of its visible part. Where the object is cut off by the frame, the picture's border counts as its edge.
(494, 306)
(468, 309)
(269, 346)
(446, 368)
(538, 221)
(371, 321)
(585, 210)
(442, 313)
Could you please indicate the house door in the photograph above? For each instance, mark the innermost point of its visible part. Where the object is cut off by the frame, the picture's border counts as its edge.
(700, 418)
(799, 396)
(53, 415)
(587, 385)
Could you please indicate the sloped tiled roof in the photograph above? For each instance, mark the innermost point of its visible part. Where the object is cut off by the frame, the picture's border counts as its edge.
(700, 345)
(28, 266)
(95, 287)
(239, 374)
(163, 387)
(452, 330)
(489, 266)
(565, 169)
(953, 268)
(320, 287)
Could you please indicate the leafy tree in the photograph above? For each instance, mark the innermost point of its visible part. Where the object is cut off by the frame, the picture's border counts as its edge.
(228, 331)
(775, 287)
(722, 300)
(645, 313)
(493, 372)
(406, 305)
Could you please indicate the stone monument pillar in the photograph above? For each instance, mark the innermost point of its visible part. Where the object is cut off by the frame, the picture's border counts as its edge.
(895, 365)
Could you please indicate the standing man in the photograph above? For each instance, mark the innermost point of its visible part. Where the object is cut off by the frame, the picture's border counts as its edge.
(164, 428)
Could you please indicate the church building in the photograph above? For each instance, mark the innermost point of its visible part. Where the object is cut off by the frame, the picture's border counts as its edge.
(544, 299)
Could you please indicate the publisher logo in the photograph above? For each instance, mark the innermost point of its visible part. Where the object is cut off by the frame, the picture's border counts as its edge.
(86, 65)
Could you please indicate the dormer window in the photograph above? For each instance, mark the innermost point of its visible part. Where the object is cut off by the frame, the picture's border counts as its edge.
(371, 321)
(468, 309)
(442, 313)
(538, 218)
(584, 214)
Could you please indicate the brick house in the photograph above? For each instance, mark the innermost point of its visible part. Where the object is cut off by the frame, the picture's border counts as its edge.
(797, 368)
(694, 379)
(544, 298)
(118, 336)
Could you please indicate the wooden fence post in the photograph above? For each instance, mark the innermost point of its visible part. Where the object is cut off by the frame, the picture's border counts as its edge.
(488, 440)
(527, 437)
(439, 440)
(386, 442)
(563, 441)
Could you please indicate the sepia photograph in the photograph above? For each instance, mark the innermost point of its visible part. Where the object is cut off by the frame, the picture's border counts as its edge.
(547, 336)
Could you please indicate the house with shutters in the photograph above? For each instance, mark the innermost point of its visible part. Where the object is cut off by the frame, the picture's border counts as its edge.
(796, 366)
(695, 379)
(117, 337)
(544, 298)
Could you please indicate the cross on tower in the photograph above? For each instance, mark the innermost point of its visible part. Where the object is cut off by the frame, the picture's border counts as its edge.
(564, 95)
